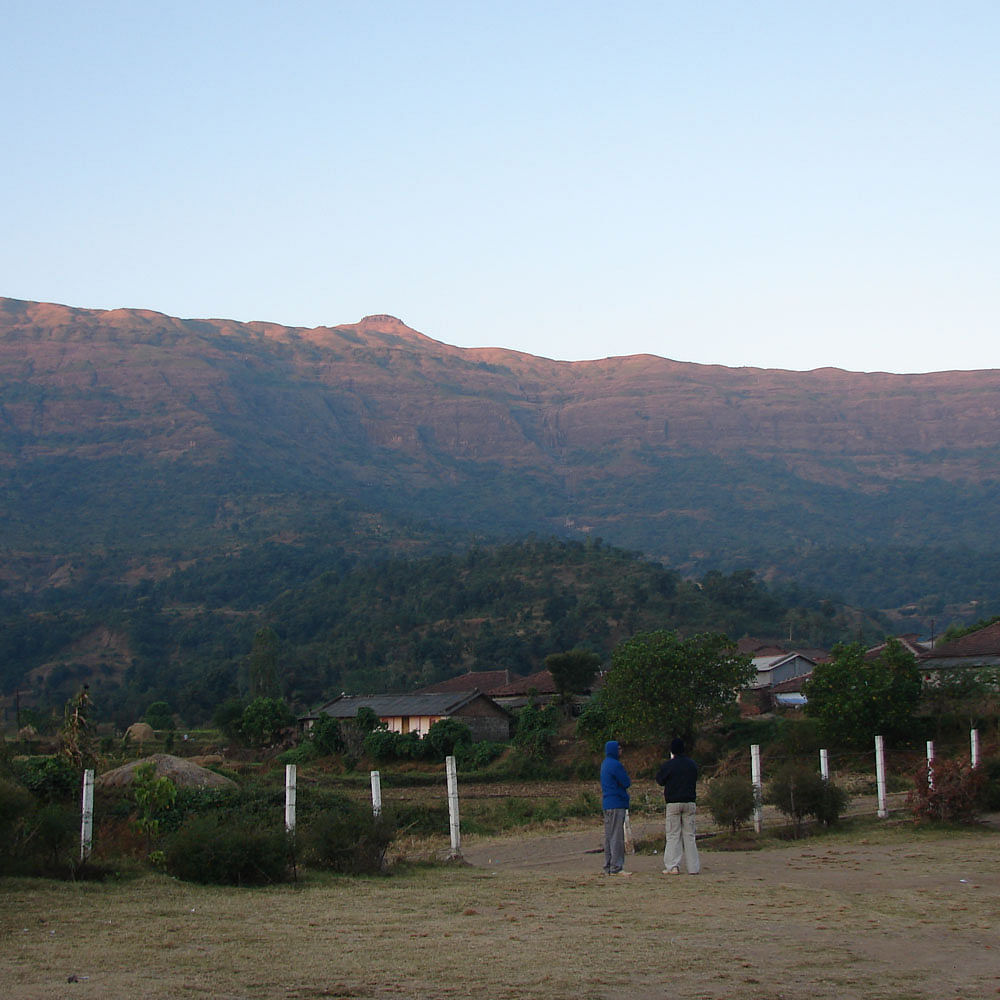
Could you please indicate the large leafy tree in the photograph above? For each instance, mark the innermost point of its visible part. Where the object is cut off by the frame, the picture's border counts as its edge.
(661, 685)
(856, 699)
(572, 672)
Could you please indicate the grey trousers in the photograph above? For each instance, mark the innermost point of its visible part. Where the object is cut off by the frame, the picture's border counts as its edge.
(680, 838)
(614, 840)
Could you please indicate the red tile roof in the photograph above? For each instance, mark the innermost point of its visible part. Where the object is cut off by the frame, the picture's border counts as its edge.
(983, 642)
(542, 682)
(486, 681)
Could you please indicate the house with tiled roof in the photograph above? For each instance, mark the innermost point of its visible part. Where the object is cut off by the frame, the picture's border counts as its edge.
(539, 687)
(977, 650)
(416, 713)
(486, 681)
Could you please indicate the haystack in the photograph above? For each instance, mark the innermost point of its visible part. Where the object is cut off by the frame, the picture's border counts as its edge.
(183, 773)
(140, 732)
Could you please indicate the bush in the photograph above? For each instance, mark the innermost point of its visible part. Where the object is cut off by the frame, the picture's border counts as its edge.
(352, 841)
(210, 850)
(956, 795)
(730, 801)
(446, 735)
(800, 792)
(325, 736)
(50, 779)
(53, 835)
(16, 806)
(990, 797)
(475, 756)
(380, 744)
(594, 724)
(536, 728)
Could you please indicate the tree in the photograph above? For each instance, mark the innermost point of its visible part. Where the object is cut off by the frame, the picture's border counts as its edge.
(572, 671)
(856, 699)
(159, 716)
(264, 664)
(660, 685)
(153, 796)
(263, 719)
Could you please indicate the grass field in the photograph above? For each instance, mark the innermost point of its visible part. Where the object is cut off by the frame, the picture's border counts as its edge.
(890, 912)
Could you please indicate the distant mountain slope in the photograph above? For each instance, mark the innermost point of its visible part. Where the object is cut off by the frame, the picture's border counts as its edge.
(131, 434)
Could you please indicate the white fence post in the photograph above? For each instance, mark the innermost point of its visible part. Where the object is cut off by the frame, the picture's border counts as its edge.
(456, 834)
(930, 763)
(883, 810)
(824, 765)
(87, 815)
(974, 747)
(758, 792)
(290, 772)
(376, 793)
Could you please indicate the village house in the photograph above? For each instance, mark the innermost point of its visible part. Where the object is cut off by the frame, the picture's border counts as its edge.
(416, 713)
(979, 650)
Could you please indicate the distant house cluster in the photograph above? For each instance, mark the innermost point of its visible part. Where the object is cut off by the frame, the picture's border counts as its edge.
(486, 700)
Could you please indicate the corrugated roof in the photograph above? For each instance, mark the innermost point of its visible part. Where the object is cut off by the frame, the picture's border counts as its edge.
(386, 705)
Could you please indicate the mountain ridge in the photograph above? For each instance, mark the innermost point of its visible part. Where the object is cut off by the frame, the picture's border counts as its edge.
(696, 465)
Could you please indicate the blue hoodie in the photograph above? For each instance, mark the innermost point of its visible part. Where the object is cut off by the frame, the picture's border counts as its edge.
(614, 779)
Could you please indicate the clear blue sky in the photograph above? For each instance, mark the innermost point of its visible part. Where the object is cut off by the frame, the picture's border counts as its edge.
(779, 184)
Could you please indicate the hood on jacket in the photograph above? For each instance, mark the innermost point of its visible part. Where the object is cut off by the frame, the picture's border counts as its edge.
(611, 749)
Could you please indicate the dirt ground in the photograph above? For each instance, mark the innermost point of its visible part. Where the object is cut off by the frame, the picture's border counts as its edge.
(900, 914)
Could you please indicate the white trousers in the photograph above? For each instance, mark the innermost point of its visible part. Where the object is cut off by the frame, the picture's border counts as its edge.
(680, 837)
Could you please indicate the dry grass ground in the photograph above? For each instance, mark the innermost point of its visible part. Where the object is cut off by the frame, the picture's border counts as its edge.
(895, 914)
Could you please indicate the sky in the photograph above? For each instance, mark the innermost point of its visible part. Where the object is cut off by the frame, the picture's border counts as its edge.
(774, 184)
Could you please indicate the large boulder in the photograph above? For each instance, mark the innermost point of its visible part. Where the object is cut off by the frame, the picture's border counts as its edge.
(183, 773)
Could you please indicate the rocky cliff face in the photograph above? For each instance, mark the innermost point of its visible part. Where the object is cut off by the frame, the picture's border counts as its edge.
(678, 459)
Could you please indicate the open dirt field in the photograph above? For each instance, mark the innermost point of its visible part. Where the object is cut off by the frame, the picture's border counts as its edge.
(899, 915)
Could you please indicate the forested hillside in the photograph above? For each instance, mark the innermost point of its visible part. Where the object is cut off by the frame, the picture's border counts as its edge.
(392, 624)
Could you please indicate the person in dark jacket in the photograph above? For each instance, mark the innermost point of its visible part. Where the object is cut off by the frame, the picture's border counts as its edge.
(679, 775)
(615, 802)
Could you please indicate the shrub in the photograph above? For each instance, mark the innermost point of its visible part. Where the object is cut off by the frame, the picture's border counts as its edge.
(50, 779)
(380, 744)
(730, 801)
(326, 737)
(594, 724)
(445, 735)
(475, 756)
(536, 728)
(53, 835)
(210, 850)
(16, 805)
(350, 840)
(990, 796)
(956, 794)
(800, 792)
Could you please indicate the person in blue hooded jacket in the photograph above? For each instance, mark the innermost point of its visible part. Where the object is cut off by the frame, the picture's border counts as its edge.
(614, 801)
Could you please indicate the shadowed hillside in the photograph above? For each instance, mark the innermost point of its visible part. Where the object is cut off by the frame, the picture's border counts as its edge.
(132, 442)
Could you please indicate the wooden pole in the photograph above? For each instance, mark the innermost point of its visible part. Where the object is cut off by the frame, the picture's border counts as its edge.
(824, 765)
(758, 791)
(376, 793)
(456, 833)
(87, 816)
(290, 771)
(883, 810)
(974, 747)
